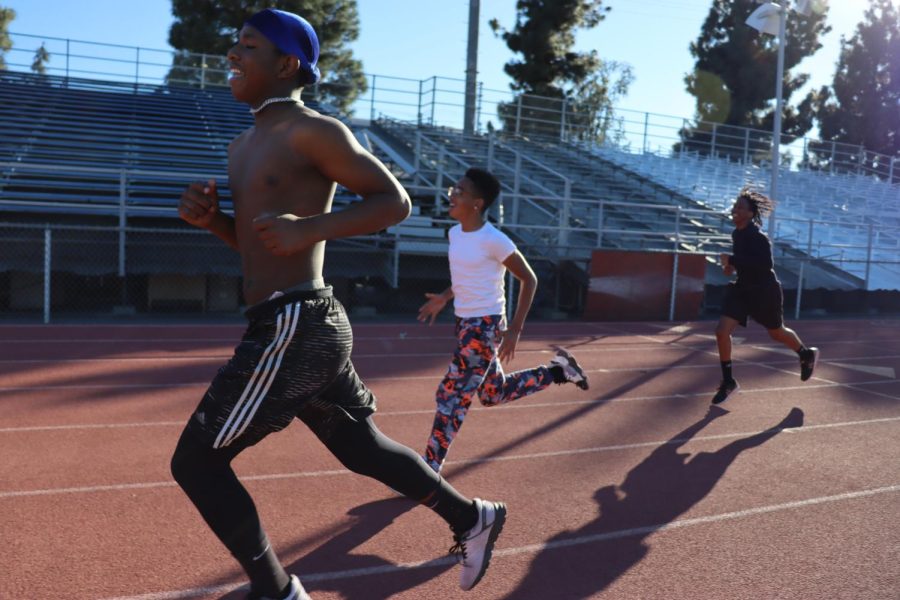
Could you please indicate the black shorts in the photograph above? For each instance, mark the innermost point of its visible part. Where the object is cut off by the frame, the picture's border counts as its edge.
(763, 303)
(293, 361)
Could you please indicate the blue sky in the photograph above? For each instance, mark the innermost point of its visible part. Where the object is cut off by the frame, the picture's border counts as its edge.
(422, 38)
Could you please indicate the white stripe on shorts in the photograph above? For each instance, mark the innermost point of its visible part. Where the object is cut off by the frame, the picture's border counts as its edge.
(261, 380)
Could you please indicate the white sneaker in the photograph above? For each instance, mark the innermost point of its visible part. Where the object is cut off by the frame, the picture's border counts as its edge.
(571, 369)
(475, 546)
(296, 591)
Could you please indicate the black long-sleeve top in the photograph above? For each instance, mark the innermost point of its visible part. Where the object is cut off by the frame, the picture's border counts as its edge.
(752, 257)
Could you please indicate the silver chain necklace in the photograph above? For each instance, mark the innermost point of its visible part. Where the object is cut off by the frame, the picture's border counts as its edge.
(253, 111)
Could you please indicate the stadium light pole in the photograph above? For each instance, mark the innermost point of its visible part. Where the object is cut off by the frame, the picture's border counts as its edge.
(471, 68)
(771, 18)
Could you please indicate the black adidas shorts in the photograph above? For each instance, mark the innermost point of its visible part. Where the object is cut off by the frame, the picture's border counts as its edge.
(293, 361)
(763, 303)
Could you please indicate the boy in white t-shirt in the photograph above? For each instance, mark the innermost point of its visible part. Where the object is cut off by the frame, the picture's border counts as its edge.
(479, 256)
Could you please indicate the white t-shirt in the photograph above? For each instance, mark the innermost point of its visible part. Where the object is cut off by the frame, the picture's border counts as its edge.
(476, 270)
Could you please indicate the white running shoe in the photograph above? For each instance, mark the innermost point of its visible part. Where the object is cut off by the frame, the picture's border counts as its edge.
(571, 369)
(474, 548)
(296, 591)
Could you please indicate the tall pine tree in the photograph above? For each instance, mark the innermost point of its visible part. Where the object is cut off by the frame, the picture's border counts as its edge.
(210, 27)
(862, 106)
(734, 76)
(557, 89)
(40, 60)
(6, 17)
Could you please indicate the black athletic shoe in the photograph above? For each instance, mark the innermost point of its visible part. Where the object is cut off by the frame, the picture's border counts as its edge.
(726, 388)
(571, 369)
(808, 363)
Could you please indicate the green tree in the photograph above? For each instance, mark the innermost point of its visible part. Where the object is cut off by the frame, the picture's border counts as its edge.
(734, 76)
(6, 17)
(862, 106)
(208, 28)
(41, 58)
(557, 89)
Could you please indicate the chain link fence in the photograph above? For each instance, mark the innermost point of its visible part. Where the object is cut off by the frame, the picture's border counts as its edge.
(54, 273)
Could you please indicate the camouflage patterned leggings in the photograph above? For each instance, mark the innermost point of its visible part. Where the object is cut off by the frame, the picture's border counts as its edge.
(475, 369)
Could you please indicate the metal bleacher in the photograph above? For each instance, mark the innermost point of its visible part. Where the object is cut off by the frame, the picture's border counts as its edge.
(562, 200)
(104, 164)
(846, 220)
(80, 146)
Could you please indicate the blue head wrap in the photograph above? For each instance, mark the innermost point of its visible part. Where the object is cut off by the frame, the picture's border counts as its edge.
(292, 34)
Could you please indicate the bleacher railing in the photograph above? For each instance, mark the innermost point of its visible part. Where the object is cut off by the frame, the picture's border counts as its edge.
(440, 101)
(52, 271)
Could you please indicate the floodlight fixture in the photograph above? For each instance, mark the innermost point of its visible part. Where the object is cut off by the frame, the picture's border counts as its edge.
(766, 18)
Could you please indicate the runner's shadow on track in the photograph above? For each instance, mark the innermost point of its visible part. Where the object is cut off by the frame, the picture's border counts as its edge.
(376, 578)
(358, 576)
(665, 485)
(609, 395)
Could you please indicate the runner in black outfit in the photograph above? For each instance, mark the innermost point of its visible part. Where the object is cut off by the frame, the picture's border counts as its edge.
(757, 291)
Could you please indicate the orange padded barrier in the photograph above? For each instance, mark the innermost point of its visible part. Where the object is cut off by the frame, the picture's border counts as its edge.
(637, 286)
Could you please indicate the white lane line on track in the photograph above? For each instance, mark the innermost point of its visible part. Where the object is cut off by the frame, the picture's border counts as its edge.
(400, 337)
(530, 456)
(508, 406)
(437, 377)
(540, 547)
(657, 345)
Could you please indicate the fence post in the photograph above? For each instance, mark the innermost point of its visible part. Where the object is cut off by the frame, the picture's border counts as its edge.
(564, 214)
(891, 171)
(746, 145)
(799, 290)
(562, 122)
(600, 224)
(203, 71)
(47, 272)
(490, 152)
(433, 97)
(517, 183)
(419, 117)
(122, 221)
(137, 66)
(809, 239)
(372, 106)
(869, 255)
(510, 281)
(833, 152)
(712, 150)
(439, 181)
(395, 278)
(646, 126)
(480, 99)
(416, 162)
(519, 114)
(67, 63)
(675, 264)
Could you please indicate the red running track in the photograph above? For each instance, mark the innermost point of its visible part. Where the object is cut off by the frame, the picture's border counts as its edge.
(635, 489)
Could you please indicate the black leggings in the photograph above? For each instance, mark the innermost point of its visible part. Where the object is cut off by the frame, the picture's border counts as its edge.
(206, 476)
